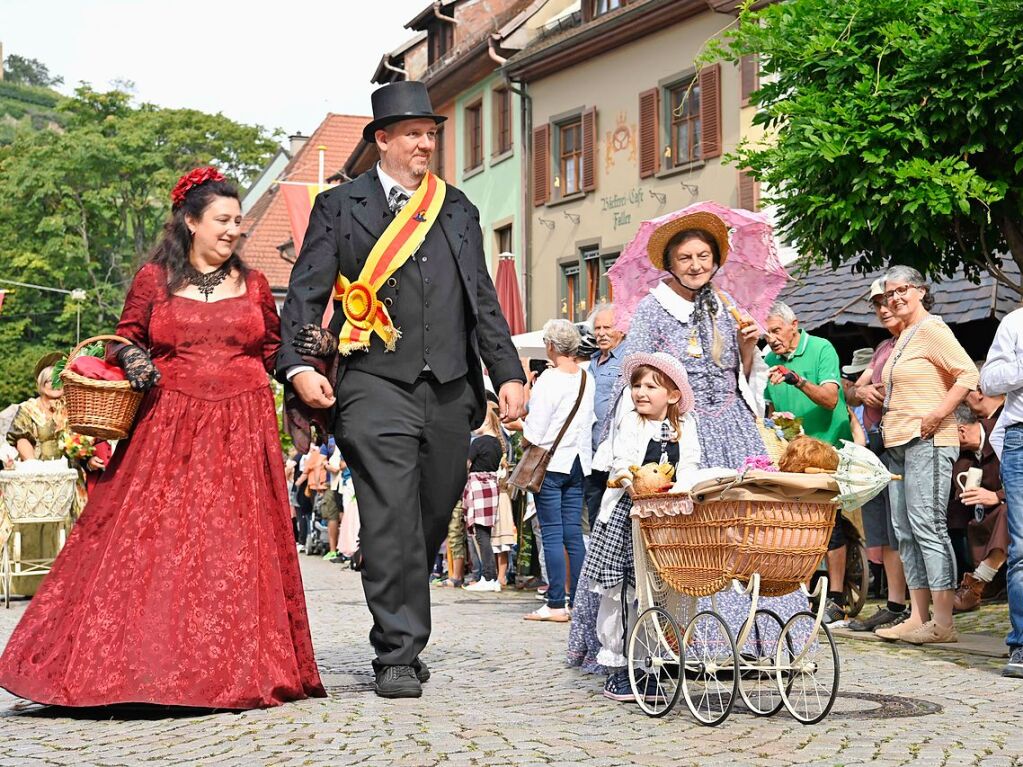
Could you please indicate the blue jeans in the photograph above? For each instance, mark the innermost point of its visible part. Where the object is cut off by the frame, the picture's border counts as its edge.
(919, 513)
(559, 507)
(1012, 481)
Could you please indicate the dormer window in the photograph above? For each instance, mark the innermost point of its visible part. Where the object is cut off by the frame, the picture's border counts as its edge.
(441, 39)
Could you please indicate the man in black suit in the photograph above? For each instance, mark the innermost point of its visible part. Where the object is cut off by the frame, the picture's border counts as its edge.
(402, 417)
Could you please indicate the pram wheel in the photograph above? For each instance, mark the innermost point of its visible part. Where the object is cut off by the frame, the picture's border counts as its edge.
(654, 661)
(711, 678)
(758, 684)
(807, 668)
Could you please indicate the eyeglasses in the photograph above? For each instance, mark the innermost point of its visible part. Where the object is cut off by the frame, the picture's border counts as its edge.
(899, 292)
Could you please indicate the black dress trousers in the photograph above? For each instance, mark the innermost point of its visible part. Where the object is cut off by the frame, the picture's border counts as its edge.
(418, 438)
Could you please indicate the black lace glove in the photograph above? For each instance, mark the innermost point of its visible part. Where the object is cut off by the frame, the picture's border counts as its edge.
(138, 368)
(314, 341)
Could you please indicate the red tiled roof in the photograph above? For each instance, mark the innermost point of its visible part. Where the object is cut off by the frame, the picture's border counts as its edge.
(266, 225)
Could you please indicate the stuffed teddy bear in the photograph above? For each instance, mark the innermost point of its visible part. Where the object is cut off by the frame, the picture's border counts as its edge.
(804, 453)
(652, 478)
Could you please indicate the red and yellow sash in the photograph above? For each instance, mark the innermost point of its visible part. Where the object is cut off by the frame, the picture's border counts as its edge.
(364, 312)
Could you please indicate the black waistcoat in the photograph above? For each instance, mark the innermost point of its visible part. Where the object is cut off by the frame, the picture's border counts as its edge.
(425, 299)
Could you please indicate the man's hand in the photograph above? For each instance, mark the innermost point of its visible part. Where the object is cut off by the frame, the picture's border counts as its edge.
(978, 496)
(511, 398)
(871, 395)
(781, 374)
(313, 389)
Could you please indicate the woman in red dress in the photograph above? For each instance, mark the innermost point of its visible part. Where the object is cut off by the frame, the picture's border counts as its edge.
(180, 583)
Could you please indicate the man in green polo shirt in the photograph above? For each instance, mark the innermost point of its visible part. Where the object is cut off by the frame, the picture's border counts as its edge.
(805, 381)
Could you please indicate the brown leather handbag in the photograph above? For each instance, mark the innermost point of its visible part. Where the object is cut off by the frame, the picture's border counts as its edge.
(532, 467)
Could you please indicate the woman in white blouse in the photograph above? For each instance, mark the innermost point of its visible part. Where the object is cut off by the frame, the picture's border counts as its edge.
(559, 504)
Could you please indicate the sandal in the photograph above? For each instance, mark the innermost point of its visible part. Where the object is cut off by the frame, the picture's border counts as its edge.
(447, 583)
(545, 613)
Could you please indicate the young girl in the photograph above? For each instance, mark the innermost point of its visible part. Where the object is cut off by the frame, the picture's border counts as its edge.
(654, 426)
(481, 496)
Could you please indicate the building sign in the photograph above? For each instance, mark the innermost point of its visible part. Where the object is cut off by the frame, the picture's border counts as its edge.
(621, 139)
(618, 205)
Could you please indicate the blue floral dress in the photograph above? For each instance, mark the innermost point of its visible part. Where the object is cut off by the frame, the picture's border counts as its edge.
(727, 427)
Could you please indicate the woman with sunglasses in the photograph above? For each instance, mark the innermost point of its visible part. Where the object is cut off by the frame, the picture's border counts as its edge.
(926, 377)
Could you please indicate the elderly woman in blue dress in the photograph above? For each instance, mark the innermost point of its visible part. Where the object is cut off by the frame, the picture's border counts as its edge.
(687, 317)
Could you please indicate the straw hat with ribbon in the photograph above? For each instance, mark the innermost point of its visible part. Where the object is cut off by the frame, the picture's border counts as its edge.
(668, 365)
(704, 220)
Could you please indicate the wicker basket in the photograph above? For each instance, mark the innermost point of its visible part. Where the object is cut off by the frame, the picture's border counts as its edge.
(700, 553)
(37, 497)
(101, 409)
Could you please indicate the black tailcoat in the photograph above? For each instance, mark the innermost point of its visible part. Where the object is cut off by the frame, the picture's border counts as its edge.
(403, 432)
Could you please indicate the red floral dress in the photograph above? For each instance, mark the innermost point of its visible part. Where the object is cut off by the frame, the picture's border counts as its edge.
(180, 583)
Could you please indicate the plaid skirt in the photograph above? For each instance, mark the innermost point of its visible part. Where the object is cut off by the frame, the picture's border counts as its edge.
(480, 499)
(609, 558)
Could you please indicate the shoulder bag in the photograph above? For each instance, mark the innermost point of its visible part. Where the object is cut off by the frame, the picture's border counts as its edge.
(532, 467)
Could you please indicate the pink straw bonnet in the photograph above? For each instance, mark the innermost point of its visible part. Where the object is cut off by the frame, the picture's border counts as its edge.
(668, 365)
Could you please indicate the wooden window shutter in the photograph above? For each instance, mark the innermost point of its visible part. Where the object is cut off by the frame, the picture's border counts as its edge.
(749, 71)
(749, 191)
(649, 146)
(710, 110)
(541, 164)
(589, 131)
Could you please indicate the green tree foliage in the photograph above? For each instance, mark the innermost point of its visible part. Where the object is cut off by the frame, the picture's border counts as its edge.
(79, 208)
(18, 69)
(894, 129)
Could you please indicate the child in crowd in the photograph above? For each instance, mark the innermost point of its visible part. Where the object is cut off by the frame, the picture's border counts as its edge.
(481, 496)
(655, 425)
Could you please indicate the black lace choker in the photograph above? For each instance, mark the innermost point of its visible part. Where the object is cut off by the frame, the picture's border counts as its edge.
(207, 283)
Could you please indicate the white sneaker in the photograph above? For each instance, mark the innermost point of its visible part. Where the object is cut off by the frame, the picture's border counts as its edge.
(483, 585)
(301, 549)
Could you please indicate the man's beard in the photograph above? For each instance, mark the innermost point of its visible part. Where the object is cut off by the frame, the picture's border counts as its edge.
(413, 171)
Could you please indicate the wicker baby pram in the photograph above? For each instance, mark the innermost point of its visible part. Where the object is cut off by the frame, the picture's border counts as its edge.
(774, 524)
(767, 531)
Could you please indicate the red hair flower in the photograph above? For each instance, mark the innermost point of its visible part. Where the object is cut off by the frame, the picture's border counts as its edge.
(195, 177)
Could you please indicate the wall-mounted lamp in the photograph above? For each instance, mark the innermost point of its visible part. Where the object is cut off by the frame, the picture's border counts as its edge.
(547, 222)
(667, 152)
(661, 198)
(557, 182)
(693, 189)
(574, 218)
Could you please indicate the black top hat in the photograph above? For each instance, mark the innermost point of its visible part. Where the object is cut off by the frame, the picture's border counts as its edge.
(403, 100)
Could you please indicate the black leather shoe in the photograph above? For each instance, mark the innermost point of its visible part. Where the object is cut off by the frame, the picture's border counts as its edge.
(422, 671)
(398, 682)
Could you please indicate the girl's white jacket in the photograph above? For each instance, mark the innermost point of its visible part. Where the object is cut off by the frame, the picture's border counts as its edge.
(626, 446)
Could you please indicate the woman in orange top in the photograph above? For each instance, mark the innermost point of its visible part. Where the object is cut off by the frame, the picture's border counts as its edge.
(926, 377)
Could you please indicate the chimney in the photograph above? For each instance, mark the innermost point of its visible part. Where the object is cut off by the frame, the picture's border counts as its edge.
(297, 142)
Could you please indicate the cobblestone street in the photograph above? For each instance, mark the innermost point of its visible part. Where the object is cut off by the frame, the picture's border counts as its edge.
(501, 695)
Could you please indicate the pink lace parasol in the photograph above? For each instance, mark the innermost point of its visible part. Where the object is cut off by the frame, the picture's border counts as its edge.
(753, 274)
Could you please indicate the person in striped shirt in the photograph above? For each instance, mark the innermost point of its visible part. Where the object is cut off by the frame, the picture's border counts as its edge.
(926, 377)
